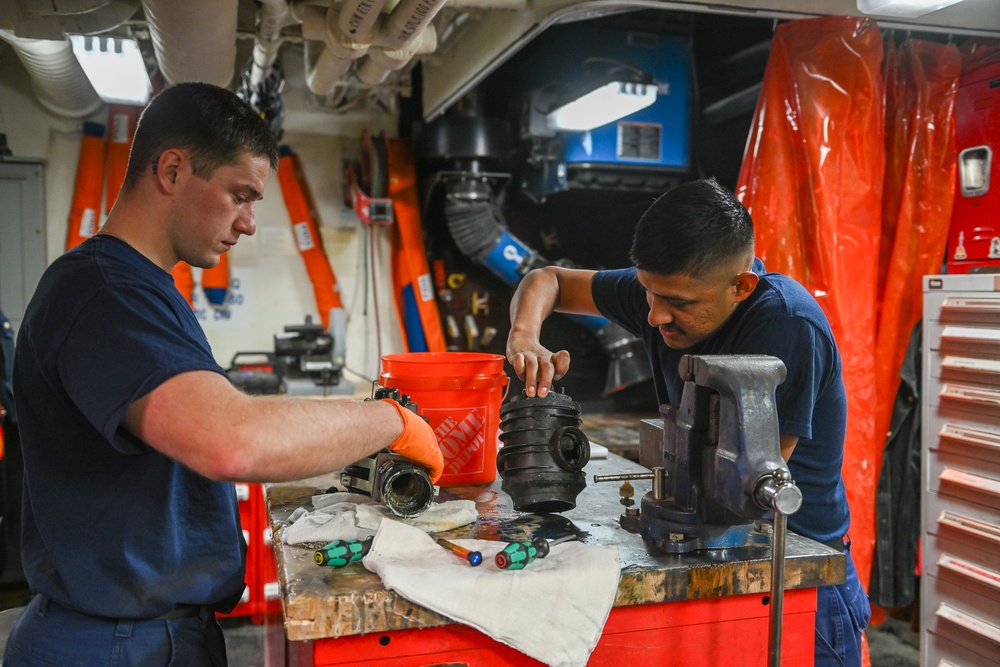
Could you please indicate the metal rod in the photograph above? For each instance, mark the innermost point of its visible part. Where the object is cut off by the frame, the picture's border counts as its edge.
(622, 477)
(777, 588)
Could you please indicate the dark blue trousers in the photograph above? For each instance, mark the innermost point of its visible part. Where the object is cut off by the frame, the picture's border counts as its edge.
(842, 614)
(50, 635)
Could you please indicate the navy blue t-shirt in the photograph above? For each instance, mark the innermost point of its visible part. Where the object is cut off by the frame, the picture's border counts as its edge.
(111, 526)
(780, 318)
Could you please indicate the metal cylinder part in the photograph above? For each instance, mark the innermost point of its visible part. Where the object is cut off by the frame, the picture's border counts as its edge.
(544, 453)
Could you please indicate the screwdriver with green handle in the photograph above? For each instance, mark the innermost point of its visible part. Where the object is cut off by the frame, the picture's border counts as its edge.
(516, 555)
(341, 553)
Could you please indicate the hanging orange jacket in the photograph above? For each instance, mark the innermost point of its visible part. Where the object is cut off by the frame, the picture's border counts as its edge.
(215, 281)
(411, 276)
(84, 212)
(122, 120)
(306, 232)
(184, 281)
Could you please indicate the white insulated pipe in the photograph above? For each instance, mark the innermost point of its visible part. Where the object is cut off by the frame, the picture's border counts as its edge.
(194, 40)
(375, 69)
(56, 76)
(274, 15)
(407, 32)
(345, 33)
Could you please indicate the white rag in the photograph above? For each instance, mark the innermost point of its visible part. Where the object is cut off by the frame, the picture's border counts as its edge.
(353, 516)
(553, 610)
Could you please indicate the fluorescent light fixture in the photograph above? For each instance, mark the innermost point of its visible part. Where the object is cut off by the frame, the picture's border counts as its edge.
(603, 105)
(906, 8)
(115, 68)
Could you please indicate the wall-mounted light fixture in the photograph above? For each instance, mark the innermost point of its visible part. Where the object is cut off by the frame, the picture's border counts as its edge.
(602, 105)
(115, 68)
(905, 8)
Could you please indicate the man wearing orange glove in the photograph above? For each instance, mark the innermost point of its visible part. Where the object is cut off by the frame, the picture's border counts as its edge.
(132, 433)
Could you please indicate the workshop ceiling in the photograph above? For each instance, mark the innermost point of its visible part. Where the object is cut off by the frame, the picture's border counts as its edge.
(458, 43)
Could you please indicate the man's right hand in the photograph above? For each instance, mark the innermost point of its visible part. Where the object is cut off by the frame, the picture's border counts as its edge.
(417, 442)
(537, 366)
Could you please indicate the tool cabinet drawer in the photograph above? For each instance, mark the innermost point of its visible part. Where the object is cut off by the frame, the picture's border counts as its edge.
(964, 551)
(965, 617)
(943, 650)
(966, 517)
(961, 404)
(972, 483)
(966, 369)
(967, 445)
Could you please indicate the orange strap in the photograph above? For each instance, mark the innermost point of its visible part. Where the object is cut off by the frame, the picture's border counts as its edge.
(84, 213)
(184, 281)
(306, 232)
(411, 274)
(121, 130)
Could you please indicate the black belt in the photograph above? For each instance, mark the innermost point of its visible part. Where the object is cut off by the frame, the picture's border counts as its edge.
(183, 611)
(841, 544)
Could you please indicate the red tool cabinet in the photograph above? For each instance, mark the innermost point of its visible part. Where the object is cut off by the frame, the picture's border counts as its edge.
(974, 235)
(262, 594)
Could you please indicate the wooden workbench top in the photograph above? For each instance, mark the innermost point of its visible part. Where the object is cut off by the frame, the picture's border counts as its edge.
(321, 602)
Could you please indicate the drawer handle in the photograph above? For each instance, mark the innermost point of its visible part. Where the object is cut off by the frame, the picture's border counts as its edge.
(969, 304)
(970, 481)
(955, 334)
(970, 436)
(970, 570)
(969, 394)
(988, 367)
(971, 623)
(970, 526)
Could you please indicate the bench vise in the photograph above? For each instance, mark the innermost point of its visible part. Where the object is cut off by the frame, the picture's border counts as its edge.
(717, 470)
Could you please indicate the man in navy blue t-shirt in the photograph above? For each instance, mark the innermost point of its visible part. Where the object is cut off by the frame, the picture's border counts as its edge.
(132, 434)
(697, 288)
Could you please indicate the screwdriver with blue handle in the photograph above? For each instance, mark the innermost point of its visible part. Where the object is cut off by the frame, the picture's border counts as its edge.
(516, 555)
(341, 553)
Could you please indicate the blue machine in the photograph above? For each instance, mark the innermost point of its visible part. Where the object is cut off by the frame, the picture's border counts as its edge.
(648, 150)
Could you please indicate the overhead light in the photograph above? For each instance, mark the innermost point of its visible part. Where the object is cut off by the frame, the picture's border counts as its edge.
(115, 68)
(906, 8)
(602, 105)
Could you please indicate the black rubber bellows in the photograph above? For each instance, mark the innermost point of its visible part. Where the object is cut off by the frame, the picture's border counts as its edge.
(544, 453)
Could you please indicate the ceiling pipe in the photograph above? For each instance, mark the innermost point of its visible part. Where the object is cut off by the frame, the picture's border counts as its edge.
(56, 76)
(273, 16)
(345, 34)
(380, 62)
(194, 40)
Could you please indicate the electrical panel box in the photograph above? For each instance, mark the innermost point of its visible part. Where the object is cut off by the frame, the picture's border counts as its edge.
(974, 236)
(960, 583)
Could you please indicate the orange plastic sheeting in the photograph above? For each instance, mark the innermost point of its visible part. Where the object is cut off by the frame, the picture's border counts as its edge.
(122, 128)
(410, 270)
(812, 181)
(184, 281)
(84, 212)
(921, 162)
(307, 237)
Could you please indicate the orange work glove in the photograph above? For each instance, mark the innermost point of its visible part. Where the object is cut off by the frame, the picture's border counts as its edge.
(417, 442)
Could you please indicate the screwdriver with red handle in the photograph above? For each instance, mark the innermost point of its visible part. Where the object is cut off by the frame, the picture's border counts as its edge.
(516, 555)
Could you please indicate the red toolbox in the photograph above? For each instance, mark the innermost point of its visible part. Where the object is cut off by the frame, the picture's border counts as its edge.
(974, 235)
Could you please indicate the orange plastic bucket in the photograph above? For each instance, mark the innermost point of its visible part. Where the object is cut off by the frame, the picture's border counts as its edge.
(460, 394)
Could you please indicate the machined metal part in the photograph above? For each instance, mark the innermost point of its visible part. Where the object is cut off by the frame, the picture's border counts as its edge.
(392, 479)
(544, 453)
(389, 478)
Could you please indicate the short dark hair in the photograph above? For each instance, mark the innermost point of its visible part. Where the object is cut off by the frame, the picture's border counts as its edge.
(693, 229)
(212, 124)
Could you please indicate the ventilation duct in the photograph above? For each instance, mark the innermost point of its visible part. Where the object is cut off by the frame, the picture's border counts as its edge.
(56, 76)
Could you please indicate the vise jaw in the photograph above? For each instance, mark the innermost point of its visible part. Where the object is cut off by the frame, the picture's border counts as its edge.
(720, 450)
